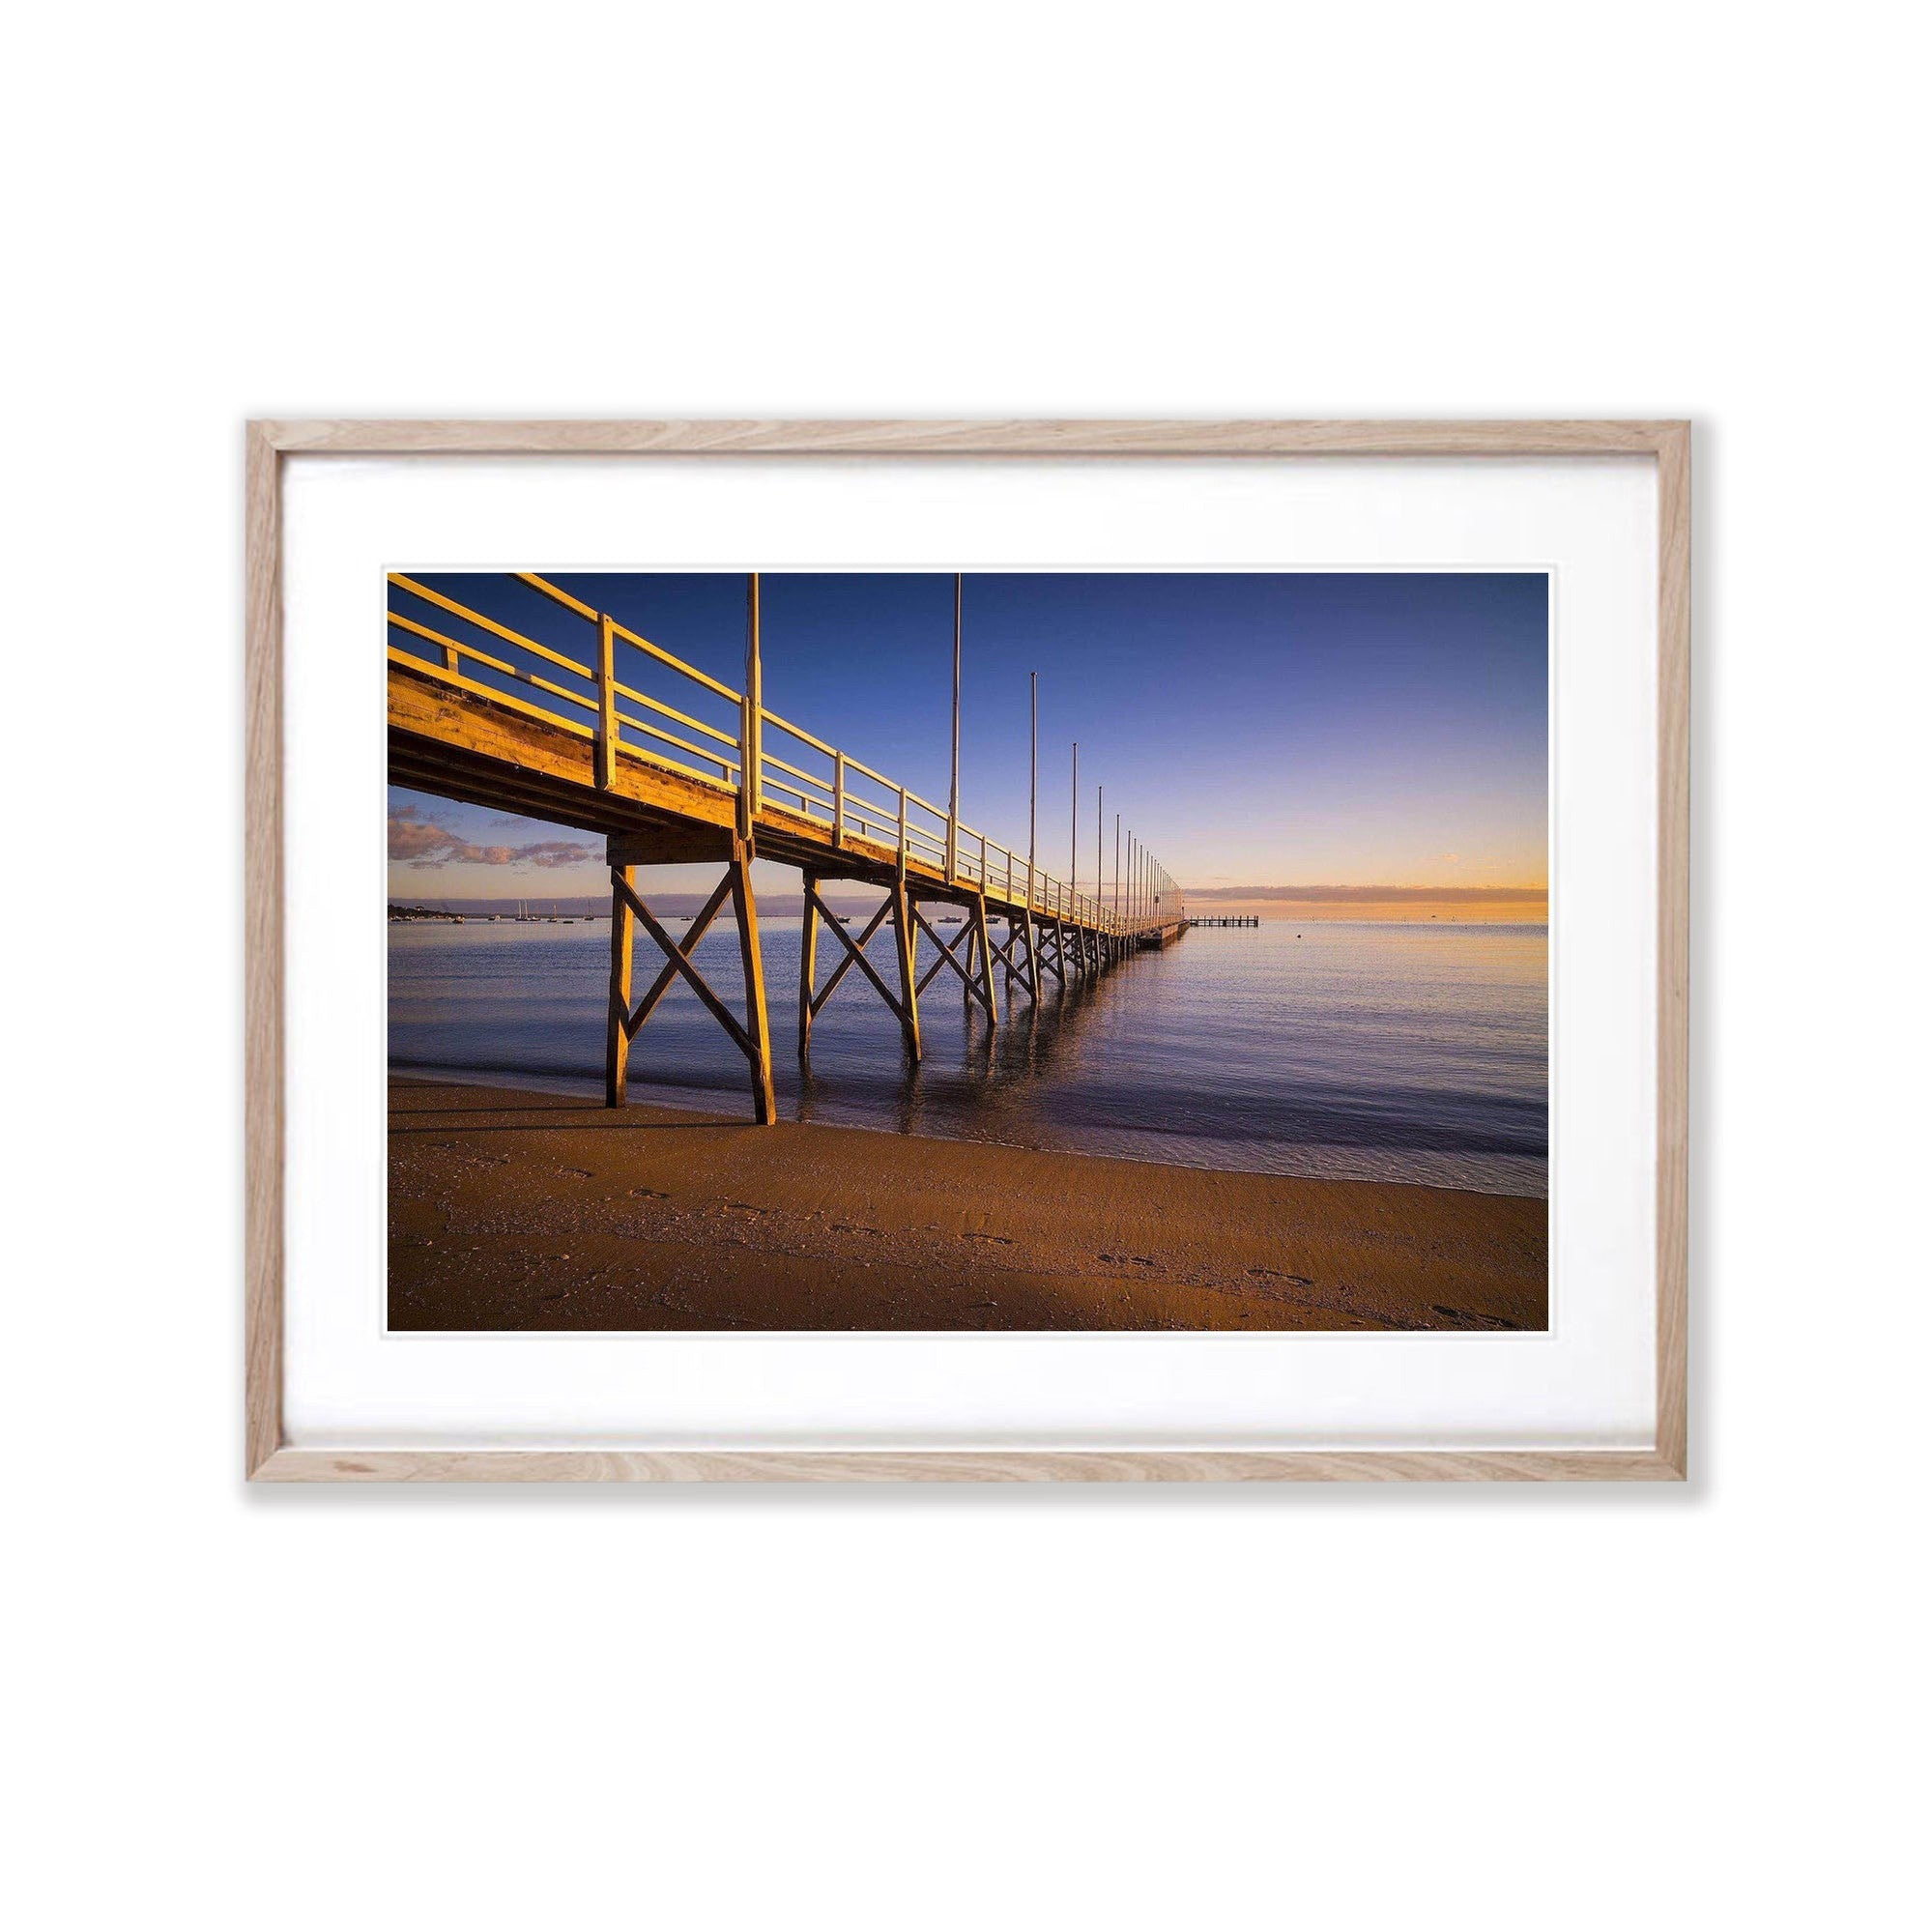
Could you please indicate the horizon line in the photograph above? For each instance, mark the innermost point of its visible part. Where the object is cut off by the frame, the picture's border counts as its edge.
(1293, 894)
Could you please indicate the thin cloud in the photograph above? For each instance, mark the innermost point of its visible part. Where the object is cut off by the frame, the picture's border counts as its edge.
(415, 840)
(1493, 895)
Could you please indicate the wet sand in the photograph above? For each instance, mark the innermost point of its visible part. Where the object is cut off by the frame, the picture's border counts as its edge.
(519, 1210)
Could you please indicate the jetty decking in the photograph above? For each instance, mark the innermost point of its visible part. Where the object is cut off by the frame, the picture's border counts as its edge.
(490, 724)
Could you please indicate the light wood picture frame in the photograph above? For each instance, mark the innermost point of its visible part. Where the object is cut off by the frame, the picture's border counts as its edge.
(270, 1456)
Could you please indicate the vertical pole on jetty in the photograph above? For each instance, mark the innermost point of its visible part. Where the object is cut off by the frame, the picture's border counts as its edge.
(953, 803)
(607, 703)
(751, 717)
(1099, 858)
(1033, 797)
(617, 1026)
(1073, 856)
(1116, 868)
(901, 874)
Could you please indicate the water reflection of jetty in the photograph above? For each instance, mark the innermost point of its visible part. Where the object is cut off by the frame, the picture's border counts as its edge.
(1038, 1039)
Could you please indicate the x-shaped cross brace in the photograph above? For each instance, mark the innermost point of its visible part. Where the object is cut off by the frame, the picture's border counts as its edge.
(855, 957)
(677, 961)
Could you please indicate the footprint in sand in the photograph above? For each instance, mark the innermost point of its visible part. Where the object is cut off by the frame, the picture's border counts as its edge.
(1004, 1240)
(1465, 1315)
(650, 1194)
(582, 1173)
(1294, 1281)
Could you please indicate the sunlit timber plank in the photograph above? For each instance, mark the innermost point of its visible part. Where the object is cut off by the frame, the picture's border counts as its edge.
(438, 723)
(501, 729)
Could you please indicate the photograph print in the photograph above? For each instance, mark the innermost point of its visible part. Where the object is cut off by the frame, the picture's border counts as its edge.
(968, 950)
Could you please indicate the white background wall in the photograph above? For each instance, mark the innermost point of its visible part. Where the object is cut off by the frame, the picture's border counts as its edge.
(1386, 1709)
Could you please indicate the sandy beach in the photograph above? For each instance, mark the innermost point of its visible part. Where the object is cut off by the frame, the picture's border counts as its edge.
(519, 1210)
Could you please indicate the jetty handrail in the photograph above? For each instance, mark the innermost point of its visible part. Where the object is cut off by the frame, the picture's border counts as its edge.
(562, 597)
(898, 825)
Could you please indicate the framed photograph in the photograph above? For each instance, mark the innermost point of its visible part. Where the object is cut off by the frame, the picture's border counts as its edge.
(956, 951)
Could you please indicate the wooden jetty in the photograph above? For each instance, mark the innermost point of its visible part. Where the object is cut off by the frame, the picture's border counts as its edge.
(490, 724)
(1237, 921)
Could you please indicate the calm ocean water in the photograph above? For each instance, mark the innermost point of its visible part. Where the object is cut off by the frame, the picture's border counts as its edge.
(1414, 1052)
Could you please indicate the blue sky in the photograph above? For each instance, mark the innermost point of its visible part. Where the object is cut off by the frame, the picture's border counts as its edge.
(1259, 730)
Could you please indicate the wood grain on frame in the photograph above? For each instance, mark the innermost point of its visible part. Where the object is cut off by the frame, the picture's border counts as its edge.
(1034, 438)
(263, 996)
(267, 1458)
(965, 1465)
(1673, 945)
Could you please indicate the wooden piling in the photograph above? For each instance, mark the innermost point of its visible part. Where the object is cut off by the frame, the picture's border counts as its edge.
(985, 939)
(808, 963)
(765, 1100)
(904, 942)
(617, 1024)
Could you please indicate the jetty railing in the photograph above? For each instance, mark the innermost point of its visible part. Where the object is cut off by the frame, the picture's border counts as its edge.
(811, 779)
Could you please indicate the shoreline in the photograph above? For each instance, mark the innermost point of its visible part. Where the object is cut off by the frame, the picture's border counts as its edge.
(516, 1207)
(588, 1092)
